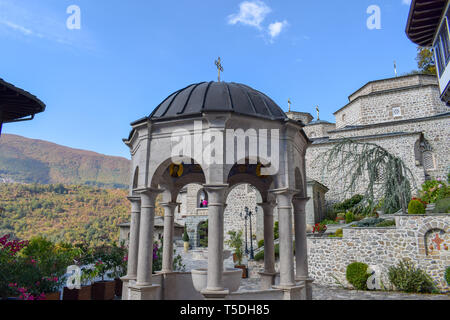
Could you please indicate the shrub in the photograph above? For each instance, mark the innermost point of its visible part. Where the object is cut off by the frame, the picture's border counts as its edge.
(185, 234)
(416, 207)
(357, 275)
(442, 206)
(260, 255)
(319, 227)
(236, 243)
(349, 217)
(276, 231)
(261, 243)
(349, 203)
(371, 222)
(386, 223)
(447, 275)
(338, 234)
(434, 190)
(327, 221)
(331, 214)
(406, 277)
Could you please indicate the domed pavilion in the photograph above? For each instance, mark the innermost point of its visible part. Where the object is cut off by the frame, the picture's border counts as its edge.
(219, 135)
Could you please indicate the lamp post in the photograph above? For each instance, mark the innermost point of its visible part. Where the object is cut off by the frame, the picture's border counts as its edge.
(249, 215)
(245, 219)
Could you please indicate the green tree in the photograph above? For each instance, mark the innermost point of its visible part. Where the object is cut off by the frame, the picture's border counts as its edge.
(425, 61)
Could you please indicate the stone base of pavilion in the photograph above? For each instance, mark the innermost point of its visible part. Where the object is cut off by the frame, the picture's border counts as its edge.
(179, 286)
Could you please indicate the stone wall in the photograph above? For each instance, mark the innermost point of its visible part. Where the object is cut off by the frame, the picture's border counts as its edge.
(436, 131)
(415, 96)
(319, 129)
(412, 239)
(393, 84)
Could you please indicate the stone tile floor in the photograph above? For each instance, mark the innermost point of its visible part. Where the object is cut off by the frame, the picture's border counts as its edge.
(319, 292)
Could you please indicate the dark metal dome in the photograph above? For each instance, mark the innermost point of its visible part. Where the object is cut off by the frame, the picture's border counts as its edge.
(217, 97)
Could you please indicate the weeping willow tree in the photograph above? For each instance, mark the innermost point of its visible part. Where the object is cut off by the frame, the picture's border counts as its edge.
(373, 168)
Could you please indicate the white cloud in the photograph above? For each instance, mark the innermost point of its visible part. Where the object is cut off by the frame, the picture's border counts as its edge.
(406, 2)
(17, 27)
(276, 28)
(251, 13)
(34, 21)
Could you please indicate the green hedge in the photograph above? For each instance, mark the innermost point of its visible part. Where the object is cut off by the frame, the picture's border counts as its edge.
(416, 207)
(357, 275)
(442, 206)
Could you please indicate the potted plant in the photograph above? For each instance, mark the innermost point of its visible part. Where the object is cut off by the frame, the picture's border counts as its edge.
(119, 259)
(319, 228)
(84, 258)
(103, 290)
(340, 220)
(236, 243)
(50, 287)
(85, 292)
(186, 239)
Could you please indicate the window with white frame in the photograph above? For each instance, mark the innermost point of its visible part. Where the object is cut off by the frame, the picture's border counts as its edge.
(442, 47)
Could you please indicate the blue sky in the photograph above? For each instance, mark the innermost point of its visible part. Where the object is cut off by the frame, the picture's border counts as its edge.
(130, 55)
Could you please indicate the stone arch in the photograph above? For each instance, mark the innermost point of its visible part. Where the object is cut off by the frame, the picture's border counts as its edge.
(177, 176)
(201, 196)
(253, 165)
(238, 198)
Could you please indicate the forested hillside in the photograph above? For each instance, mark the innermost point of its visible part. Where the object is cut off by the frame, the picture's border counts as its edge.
(26, 160)
(69, 213)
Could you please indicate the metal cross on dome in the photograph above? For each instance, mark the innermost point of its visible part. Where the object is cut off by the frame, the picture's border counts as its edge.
(218, 64)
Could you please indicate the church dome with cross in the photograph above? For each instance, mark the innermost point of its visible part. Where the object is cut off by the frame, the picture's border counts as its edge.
(202, 97)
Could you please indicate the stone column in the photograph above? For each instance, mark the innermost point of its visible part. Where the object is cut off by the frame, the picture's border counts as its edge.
(216, 201)
(169, 214)
(268, 276)
(284, 203)
(301, 249)
(133, 246)
(144, 289)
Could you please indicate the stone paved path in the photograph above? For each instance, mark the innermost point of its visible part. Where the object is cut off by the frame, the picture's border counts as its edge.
(319, 292)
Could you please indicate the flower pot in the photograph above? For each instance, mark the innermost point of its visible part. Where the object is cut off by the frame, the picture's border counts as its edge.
(84, 293)
(231, 279)
(103, 290)
(54, 296)
(244, 271)
(186, 246)
(118, 287)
